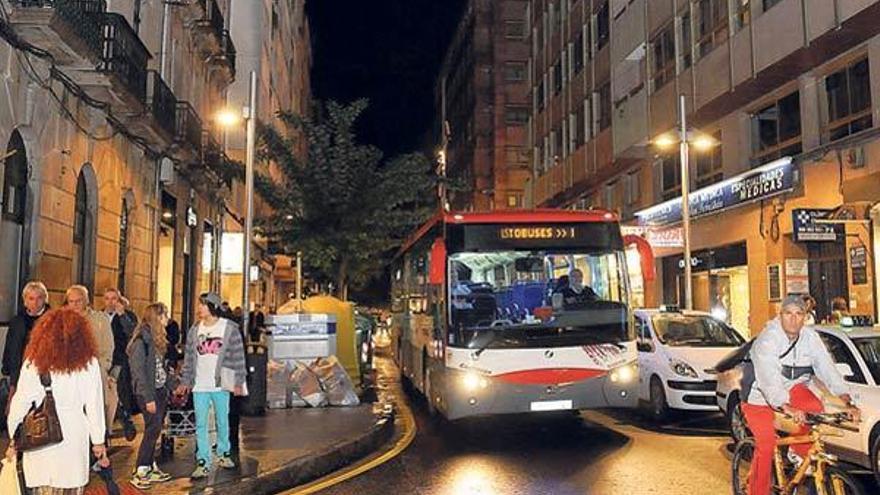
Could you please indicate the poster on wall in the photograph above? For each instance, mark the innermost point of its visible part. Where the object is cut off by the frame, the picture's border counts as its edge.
(858, 263)
(797, 276)
(774, 282)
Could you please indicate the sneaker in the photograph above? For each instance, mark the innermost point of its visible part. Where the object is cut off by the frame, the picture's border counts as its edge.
(141, 479)
(158, 476)
(225, 461)
(201, 471)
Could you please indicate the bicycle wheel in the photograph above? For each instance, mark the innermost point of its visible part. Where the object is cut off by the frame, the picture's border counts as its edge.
(839, 482)
(742, 462)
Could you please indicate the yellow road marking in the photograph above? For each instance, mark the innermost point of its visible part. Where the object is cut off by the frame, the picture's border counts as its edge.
(409, 424)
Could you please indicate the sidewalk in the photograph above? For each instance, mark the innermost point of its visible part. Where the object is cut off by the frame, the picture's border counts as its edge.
(283, 449)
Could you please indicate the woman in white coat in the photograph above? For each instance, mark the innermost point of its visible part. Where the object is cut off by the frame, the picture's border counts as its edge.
(62, 345)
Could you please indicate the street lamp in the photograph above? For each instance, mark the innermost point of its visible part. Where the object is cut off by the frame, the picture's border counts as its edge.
(229, 118)
(701, 142)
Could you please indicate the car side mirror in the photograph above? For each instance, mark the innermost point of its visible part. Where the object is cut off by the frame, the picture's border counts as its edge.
(845, 370)
(644, 346)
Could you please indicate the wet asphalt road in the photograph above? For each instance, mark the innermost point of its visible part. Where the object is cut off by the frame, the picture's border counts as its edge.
(597, 452)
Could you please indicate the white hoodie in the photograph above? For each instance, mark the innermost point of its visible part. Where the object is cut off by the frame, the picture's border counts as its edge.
(771, 386)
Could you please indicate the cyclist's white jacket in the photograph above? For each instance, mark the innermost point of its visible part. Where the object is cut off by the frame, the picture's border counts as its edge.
(771, 387)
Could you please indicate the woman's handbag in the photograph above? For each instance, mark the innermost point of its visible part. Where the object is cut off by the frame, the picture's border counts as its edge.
(40, 426)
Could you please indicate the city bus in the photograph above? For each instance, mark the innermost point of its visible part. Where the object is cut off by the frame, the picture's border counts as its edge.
(480, 326)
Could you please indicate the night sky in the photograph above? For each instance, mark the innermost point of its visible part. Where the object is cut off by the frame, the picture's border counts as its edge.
(389, 51)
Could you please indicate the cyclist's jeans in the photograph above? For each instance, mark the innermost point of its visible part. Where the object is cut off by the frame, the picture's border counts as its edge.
(760, 421)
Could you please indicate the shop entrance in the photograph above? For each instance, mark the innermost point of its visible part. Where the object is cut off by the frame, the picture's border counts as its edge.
(827, 265)
(165, 279)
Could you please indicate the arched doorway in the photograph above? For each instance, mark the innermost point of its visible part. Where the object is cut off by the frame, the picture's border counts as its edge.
(84, 227)
(13, 266)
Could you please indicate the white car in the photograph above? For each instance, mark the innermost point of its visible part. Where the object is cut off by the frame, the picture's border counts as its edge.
(856, 351)
(677, 354)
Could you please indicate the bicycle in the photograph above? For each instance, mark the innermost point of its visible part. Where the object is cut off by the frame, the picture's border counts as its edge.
(828, 478)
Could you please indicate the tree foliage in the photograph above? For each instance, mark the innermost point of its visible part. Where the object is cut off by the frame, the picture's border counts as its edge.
(345, 207)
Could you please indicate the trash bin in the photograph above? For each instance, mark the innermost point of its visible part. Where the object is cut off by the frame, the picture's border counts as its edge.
(256, 360)
(301, 337)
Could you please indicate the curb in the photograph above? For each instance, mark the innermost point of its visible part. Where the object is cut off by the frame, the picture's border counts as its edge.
(311, 467)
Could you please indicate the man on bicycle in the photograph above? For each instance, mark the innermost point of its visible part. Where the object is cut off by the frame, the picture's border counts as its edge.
(786, 355)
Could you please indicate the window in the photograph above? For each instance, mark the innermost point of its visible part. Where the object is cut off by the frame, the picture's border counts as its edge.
(776, 130)
(15, 180)
(709, 164)
(577, 54)
(557, 77)
(663, 61)
(603, 26)
(539, 95)
(633, 188)
(514, 71)
(588, 119)
(588, 43)
(610, 198)
(558, 143)
(605, 106)
(768, 4)
(712, 25)
(516, 115)
(841, 354)
(13, 272)
(579, 129)
(849, 101)
(686, 48)
(670, 177)
(84, 228)
(742, 14)
(514, 200)
(514, 30)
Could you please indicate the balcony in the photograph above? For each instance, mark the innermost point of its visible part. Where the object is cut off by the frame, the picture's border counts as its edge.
(69, 30)
(209, 28)
(123, 62)
(225, 61)
(157, 123)
(187, 132)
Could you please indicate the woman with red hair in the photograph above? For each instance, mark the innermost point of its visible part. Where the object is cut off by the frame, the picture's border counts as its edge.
(62, 346)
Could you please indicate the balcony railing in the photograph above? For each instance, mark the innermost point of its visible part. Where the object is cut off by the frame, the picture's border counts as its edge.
(212, 153)
(162, 103)
(36, 21)
(188, 127)
(124, 55)
(213, 18)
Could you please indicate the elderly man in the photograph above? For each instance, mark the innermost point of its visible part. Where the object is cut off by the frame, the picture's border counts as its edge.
(34, 296)
(77, 298)
(122, 323)
(786, 355)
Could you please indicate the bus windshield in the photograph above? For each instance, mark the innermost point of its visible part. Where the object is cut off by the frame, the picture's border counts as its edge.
(537, 298)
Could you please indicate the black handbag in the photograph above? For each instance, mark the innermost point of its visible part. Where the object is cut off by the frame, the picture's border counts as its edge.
(40, 426)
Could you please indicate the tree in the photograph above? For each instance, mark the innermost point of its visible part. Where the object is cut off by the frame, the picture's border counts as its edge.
(345, 207)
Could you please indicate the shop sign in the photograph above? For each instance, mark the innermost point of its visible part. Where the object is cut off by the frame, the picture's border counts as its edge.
(761, 183)
(656, 237)
(720, 257)
(797, 276)
(858, 263)
(805, 228)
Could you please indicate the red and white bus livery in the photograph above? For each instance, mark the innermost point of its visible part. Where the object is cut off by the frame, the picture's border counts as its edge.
(517, 311)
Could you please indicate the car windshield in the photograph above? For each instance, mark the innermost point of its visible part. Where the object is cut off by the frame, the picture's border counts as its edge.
(869, 348)
(677, 330)
(537, 298)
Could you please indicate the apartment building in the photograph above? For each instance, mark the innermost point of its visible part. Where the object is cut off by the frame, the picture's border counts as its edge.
(786, 88)
(482, 101)
(115, 175)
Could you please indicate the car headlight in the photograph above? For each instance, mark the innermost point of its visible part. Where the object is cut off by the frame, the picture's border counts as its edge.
(624, 374)
(683, 369)
(472, 381)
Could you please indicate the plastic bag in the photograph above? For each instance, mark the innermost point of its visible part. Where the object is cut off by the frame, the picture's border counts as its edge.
(305, 384)
(335, 381)
(9, 483)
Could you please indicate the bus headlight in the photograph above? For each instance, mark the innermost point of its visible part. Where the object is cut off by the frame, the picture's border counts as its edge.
(473, 381)
(624, 374)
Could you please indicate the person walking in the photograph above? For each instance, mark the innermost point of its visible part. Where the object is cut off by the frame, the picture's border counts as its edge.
(35, 297)
(149, 377)
(213, 366)
(786, 355)
(62, 348)
(77, 299)
(122, 324)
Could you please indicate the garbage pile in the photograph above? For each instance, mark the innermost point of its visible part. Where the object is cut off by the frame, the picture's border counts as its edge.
(322, 382)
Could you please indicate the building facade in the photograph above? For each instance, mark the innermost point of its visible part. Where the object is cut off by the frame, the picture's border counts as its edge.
(789, 90)
(115, 173)
(482, 103)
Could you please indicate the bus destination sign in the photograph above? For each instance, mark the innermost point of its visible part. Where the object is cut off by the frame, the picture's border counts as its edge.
(530, 232)
(564, 236)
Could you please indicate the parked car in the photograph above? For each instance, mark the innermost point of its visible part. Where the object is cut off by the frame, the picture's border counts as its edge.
(856, 350)
(677, 353)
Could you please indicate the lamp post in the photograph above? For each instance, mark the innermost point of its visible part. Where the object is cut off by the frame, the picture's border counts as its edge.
(227, 118)
(701, 142)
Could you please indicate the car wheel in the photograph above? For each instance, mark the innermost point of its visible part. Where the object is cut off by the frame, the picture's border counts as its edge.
(658, 404)
(736, 421)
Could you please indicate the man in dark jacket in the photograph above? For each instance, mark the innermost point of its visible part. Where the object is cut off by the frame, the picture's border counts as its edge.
(34, 296)
(123, 322)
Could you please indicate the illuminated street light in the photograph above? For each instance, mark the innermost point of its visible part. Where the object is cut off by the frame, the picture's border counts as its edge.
(228, 118)
(701, 142)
